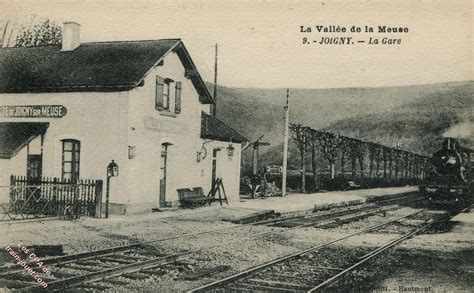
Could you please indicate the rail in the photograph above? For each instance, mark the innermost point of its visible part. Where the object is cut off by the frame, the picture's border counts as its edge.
(297, 254)
(139, 265)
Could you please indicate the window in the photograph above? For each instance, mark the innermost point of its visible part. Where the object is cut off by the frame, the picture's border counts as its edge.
(163, 98)
(166, 96)
(33, 167)
(71, 159)
(177, 98)
(160, 85)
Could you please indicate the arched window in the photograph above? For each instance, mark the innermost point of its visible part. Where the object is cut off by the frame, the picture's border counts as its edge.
(71, 159)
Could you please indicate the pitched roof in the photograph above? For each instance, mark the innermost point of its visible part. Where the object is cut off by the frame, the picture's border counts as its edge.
(98, 66)
(215, 129)
(15, 135)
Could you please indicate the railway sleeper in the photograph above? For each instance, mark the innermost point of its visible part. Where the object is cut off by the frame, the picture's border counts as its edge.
(96, 262)
(134, 257)
(62, 274)
(117, 259)
(249, 288)
(117, 281)
(279, 284)
(299, 278)
(301, 275)
(136, 275)
(26, 277)
(308, 263)
(155, 272)
(15, 284)
(206, 272)
(232, 289)
(93, 286)
(266, 287)
(77, 267)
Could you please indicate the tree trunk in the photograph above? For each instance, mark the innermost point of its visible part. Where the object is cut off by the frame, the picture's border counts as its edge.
(371, 167)
(390, 166)
(353, 168)
(377, 165)
(343, 165)
(384, 167)
(396, 168)
(407, 167)
(361, 165)
(416, 169)
(313, 166)
(303, 173)
(333, 169)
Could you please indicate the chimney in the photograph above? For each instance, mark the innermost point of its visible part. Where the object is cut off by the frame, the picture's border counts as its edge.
(71, 36)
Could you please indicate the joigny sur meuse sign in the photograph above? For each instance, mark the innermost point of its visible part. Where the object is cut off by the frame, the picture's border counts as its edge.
(33, 111)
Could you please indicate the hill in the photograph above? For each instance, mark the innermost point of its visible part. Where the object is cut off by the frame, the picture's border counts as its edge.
(415, 116)
(420, 125)
(260, 111)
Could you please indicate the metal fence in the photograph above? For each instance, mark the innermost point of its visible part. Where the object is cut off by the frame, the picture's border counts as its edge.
(24, 199)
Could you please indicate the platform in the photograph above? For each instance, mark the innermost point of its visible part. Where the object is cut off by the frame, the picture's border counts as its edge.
(301, 202)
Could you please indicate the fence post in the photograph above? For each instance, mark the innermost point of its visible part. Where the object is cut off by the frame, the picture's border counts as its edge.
(12, 191)
(98, 199)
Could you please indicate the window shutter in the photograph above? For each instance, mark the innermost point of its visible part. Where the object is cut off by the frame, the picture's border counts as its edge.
(177, 108)
(160, 83)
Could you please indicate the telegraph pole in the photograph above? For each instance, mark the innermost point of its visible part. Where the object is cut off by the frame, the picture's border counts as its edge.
(214, 108)
(285, 144)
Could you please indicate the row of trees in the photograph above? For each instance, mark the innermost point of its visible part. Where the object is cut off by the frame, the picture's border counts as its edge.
(394, 162)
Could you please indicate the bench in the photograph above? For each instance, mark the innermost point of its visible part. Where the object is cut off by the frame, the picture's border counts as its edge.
(193, 197)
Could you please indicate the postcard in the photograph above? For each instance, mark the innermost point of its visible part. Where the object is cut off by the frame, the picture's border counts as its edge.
(236, 146)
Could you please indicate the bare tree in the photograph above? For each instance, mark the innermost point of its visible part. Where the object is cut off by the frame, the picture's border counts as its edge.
(375, 154)
(353, 151)
(343, 151)
(300, 135)
(408, 164)
(385, 156)
(7, 30)
(329, 145)
(361, 154)
(313, 147)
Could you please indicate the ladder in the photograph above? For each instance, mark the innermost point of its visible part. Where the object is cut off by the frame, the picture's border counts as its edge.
(220, 190)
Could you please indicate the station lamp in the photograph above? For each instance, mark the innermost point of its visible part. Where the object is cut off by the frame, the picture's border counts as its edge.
(112, 169)
(230, 150)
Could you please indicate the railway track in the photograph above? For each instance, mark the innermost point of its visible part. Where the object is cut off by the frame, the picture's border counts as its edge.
(307, 270)
(341, 215)
(141, 260)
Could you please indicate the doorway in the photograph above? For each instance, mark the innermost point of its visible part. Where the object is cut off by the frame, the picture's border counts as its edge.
(163, 174)
(214, 167)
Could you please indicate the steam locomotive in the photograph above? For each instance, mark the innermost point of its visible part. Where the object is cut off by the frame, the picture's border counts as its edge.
(451, 177)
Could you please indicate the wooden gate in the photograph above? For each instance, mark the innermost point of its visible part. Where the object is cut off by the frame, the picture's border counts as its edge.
(49, 197)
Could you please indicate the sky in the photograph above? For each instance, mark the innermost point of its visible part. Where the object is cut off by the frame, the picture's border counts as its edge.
(260, 43)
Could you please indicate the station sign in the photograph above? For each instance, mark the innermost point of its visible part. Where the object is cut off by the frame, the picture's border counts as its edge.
(174, 127)
(33, 111)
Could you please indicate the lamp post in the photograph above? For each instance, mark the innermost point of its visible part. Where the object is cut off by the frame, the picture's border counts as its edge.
(112, 171)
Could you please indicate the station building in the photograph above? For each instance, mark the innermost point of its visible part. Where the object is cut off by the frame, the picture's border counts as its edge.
(67, 111)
